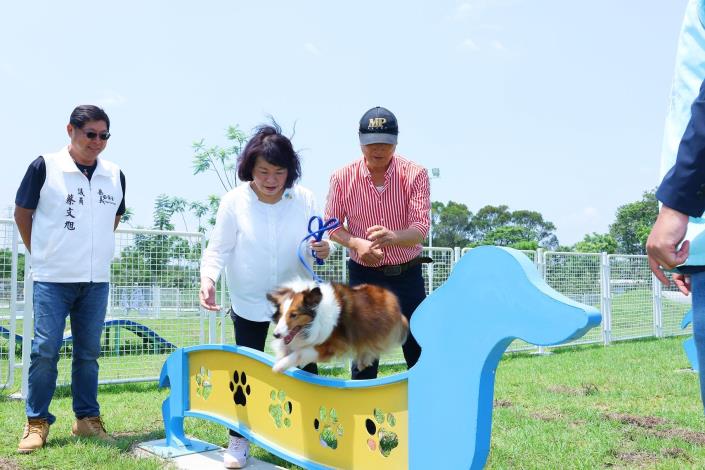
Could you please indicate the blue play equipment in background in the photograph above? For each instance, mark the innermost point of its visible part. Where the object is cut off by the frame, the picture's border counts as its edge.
(145, 333)
(689, 344)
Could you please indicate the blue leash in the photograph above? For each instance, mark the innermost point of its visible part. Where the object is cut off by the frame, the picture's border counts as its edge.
(317, 234)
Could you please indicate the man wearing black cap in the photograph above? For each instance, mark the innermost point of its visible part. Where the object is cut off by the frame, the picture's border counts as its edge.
(384, 201)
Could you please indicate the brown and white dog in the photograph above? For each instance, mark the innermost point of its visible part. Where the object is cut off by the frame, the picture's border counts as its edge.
(315, 323)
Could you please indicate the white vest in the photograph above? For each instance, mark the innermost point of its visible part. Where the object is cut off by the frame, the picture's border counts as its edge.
(72, 231)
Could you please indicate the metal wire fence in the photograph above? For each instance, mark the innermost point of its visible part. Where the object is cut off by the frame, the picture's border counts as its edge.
(9, 289)
(153, 305)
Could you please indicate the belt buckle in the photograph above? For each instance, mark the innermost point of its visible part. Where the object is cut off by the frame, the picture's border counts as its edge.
(392, 270)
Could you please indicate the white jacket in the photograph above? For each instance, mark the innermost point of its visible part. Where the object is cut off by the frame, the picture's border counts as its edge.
(72, 230)
(258, 244)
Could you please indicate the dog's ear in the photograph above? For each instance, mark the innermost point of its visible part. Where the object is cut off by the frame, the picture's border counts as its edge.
(313, 297)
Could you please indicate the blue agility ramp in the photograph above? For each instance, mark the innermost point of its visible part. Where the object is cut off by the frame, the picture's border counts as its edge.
(145, 333)
(493, 296)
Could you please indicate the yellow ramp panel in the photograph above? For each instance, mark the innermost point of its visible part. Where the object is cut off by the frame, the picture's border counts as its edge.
(337, 423)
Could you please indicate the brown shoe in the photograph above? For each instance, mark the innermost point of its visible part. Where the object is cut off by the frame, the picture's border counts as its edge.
(35, 435)
(91, 426)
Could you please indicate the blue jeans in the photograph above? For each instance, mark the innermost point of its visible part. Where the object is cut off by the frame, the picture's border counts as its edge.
(698, 286)
(86, 303)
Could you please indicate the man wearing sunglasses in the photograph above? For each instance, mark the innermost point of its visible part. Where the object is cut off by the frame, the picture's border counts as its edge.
(66, 209)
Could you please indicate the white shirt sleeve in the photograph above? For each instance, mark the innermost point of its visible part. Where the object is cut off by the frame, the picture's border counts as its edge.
(222, 241)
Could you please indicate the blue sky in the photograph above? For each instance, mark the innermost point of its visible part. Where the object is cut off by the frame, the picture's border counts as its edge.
(549, 105)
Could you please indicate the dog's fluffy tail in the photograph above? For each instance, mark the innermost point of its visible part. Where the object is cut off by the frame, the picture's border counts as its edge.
(403, 329)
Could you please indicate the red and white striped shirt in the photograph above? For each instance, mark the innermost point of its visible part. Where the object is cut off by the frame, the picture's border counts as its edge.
(404, 202)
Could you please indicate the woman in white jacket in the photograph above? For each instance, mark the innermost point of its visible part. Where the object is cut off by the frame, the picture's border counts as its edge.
(256, 237)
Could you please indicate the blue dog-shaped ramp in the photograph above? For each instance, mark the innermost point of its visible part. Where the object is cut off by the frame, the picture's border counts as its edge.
(493, 296)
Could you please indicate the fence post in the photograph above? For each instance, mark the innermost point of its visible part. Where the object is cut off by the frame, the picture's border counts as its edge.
(27, 326)
(457, 254)
(344, 267)
(429, 271)
(156, 300)
(658, 311)
(605, 298)
(540, 264)
(13, 309)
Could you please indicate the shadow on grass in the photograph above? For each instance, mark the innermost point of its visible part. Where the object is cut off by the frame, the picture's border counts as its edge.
(64, 391)
(125, 441)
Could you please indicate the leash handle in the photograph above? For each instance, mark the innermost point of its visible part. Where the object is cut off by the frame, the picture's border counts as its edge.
(317, 234)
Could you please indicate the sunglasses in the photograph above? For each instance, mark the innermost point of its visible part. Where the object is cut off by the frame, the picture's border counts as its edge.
(92, 135)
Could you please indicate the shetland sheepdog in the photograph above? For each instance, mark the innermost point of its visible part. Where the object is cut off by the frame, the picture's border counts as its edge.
(316, 323)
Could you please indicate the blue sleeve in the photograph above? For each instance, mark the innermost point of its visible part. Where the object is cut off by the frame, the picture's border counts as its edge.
(28, 192)
(683, 187)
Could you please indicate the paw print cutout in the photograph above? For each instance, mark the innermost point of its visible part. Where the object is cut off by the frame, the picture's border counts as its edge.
(203, 383)
(328, 427)
(380, 437)
(239, 387)
(280, 409)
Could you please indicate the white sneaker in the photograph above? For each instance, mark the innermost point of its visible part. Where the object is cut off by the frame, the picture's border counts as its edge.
(236, 454)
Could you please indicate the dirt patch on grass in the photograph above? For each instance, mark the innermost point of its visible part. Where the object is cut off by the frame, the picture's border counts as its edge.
(648, 422)
(547, 415)
(693, 437)
(654, 426)
(583, 390)
(501, 403)
(638, 459)
(675, 453)
(7, 464)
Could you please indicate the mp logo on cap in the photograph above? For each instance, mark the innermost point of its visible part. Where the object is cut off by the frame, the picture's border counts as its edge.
(377, 123)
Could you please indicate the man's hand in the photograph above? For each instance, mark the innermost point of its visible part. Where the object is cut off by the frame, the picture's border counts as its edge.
(662, 246)
(207, 294)
(381, 236)
(322, 248)
(367, 253)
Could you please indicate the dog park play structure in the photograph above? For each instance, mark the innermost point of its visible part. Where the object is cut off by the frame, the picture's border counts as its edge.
(146, 334)
(444, 403)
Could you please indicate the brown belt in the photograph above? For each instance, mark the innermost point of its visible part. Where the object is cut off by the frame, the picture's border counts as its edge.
(397, 269)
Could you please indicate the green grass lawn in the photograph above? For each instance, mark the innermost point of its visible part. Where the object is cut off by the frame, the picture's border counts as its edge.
(629, 405)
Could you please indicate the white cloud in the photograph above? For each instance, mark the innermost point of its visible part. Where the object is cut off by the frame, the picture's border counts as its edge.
(468, 45)
(312, 49)
(110, 98)
(590, 213)
(8, 70)
(498, 45)
(468, 8)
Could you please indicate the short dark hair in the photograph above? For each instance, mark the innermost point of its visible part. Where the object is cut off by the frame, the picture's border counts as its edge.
(275, 148)
(88, 112)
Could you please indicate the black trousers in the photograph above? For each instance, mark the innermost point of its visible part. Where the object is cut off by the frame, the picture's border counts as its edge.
(409, 288)
(253, 334)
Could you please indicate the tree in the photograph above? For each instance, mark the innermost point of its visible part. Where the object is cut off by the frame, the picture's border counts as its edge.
(199, 209)
(451, 224)
(222, 161)
(178, 206)
(523, 229)
(633, 223)
(163, 211)
(127, 216)
(596, 243)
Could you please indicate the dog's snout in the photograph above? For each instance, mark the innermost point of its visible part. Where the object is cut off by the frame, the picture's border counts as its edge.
(277, 335)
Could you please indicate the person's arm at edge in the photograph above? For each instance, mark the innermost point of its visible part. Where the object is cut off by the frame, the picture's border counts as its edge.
(23, 219)
(220, 246)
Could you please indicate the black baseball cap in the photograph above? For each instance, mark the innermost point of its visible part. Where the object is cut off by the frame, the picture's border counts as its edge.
(378, 126)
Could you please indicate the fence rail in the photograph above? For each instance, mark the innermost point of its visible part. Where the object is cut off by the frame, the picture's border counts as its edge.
(153, 305)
